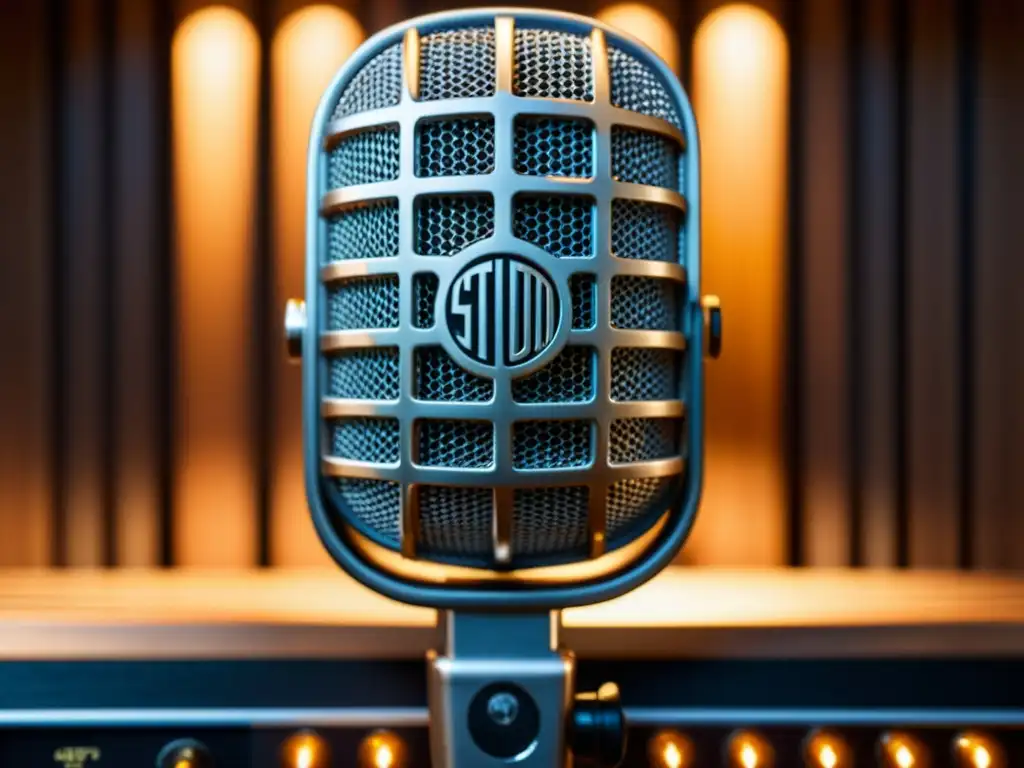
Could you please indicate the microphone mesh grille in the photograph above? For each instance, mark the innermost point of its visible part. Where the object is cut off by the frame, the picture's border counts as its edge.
(553, 65)
(458, 196)
(457, 64)
(367, 231)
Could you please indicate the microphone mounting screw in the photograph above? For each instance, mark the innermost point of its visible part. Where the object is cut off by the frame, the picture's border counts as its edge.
(503, 708)
(294, 328)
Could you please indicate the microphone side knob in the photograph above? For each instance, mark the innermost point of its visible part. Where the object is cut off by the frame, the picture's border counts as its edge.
(294, 328)
(598, 728)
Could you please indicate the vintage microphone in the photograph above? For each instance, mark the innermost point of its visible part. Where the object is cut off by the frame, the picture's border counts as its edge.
(502, 345)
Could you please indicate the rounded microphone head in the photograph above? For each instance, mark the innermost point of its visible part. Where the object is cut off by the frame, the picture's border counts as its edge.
(503, 341)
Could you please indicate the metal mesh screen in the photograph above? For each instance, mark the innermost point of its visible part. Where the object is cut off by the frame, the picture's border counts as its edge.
(553, 65)
(424, 296)
(372, 440)
(549, 146)
(378, 84)
(455, 521)
(364, 374)
(631, 440)
(551, 444)
(447, 224)
(636, 88)
(363, 302)
(646, 303)
(366, 157)
(646, 231)
(457, 64)
(439, 379)
(548, 520)
(376, 504)
(368, 231)
(641, 157)
(568, 378)
(461, 444)
(641, 373)
(582, 289)
(636, 499)
(560, 224)
(461, 147)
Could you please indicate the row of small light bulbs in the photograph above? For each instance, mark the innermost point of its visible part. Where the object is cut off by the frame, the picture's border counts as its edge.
(824, 749)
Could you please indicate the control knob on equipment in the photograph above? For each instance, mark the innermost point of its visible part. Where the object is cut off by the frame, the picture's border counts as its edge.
(598, 728)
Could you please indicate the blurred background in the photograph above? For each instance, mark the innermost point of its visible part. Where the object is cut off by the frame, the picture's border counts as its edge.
(862, 163)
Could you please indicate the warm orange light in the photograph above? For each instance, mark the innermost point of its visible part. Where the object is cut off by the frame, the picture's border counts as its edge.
(382, 749)
(826, 750)
(215, 71)
(305, 750)
(748, 750)
(977, 751)
(308, 48)
(902, 751)
(647, 24)
(670, 749)
(740, 94)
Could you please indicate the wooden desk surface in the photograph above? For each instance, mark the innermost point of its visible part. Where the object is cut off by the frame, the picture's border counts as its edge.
(684, 612)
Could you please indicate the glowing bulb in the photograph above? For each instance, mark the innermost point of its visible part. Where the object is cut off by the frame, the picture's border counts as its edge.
(748, 756)
(305, 750)
(975, 751)
(381, 749)
(669, 749)
(671, 756)
(827, 757)
(904, 757)
(748, 750)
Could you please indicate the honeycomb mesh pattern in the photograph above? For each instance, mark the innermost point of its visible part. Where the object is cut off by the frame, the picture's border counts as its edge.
(636, 88)
(568, 378)
(460, 147)
(455, 521)
(549, 146)
(636, 498)
(632, 440)
(439, 379)
(646, 303)
(364, 374)
(457, 64)
(446, 224)
(459, 444)
(641, 157)
(363, 302)
(376, 504)
(378, 84)
(640, 373)
(366, 157)
(372, 440)
(646, 231)
(582, 288)
(553, 65)
(560, 224)
(364, 232)
(546, 520)
(551, 444)
(424, 296)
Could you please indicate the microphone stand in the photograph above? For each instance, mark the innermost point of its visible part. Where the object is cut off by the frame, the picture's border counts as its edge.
(501, 690)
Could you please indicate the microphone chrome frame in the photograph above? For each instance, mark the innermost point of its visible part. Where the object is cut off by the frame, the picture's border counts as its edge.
(503, 184)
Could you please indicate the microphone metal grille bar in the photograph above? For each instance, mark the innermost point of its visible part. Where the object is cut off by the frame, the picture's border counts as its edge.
(578, 155)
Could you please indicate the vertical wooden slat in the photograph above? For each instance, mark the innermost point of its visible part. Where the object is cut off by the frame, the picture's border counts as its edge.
(137, 252)
(999, 329)
(741, 103)
(933, 289)
(26, 220)
(826, 431)
(84, 288)
(308, 48)
(875, 269)
(215, 61)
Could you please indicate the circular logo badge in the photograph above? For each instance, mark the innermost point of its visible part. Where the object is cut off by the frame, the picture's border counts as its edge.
(503, 310)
